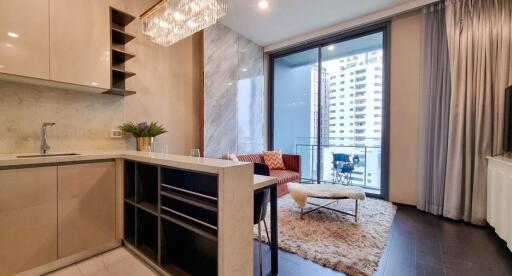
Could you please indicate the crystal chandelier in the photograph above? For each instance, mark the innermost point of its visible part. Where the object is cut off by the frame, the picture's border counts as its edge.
(169, 21)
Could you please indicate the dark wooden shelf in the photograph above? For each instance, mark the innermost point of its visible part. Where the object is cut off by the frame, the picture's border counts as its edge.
(120, 56)
(191, 227)
(121, 37)
(130, 200)
(120, 17)
(151, 208)
(119, 92)
(190, 201)
(121, 74)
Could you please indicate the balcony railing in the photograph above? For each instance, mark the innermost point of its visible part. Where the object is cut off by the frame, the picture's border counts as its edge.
(366, 172)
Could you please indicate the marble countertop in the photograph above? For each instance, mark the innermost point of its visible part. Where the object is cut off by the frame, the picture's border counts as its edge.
(182, 161)
(186, 162)
(261, 181)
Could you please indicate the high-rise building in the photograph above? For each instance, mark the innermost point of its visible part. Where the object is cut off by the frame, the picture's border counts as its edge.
(353, 113)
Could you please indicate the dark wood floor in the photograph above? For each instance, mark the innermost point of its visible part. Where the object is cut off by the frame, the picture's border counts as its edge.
(421, 244)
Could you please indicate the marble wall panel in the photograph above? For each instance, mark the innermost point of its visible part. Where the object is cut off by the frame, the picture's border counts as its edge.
(233, 93)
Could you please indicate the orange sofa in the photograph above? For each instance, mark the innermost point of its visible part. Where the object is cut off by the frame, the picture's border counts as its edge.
(291, 174)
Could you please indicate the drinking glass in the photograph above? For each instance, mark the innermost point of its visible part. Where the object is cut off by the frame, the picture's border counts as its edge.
(195, 153)
(160, 148)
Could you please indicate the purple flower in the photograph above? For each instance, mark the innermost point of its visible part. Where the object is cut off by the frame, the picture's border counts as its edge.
(143, 125)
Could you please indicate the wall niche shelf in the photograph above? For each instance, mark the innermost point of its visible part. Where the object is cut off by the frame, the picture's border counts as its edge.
(118, 39)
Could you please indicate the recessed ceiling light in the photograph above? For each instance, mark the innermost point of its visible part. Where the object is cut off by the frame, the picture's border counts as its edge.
(330, 48)
(263, 4)
(11, 34)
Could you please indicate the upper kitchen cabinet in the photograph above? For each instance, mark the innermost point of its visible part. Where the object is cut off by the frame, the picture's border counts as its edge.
(24, 41)
(80, 42)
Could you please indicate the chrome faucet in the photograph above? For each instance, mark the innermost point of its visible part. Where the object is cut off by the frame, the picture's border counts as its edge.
(44, 139)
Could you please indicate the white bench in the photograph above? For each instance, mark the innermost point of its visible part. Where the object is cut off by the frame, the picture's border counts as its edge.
(301, 192)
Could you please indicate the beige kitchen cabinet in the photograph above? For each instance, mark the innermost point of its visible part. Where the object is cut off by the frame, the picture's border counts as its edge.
(80, 42)
(86, 207)
(28, 218)
(24, 38)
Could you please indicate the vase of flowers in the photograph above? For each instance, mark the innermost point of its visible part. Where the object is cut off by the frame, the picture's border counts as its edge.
(144, 133)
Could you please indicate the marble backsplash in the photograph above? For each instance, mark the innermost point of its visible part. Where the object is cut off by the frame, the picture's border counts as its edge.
(83, 120)
(233, 93)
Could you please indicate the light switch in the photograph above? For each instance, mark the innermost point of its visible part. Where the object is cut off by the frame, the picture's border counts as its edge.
(116, 133)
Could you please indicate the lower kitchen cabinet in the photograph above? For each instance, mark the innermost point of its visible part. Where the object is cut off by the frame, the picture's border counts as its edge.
(86, 207)
(28, 218)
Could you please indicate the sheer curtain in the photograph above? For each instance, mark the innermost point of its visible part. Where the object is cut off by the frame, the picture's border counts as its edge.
(479, 42)
(434, 110)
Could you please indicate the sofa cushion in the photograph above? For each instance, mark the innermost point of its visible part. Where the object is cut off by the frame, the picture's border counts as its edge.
(274, 160)
(285, 176)
(253, 158)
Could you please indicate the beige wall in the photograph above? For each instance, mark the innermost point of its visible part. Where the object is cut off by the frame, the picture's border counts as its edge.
(168, 84)
(404, 97)
(83, 120)
(169, 90)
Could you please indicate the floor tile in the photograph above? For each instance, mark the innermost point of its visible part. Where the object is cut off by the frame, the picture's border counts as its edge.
(67, 271)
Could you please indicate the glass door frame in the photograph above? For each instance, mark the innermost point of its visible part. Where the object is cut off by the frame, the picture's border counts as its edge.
(384, 28)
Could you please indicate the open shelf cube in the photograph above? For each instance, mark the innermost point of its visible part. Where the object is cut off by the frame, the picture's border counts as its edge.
(147, 234)
(118, 39)
(196, 254)
(129, 223)
(147, 186)
(186, 210)
(199, 185)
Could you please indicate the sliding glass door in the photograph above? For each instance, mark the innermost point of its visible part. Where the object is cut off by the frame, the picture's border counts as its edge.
(329, 105)
(295, 99)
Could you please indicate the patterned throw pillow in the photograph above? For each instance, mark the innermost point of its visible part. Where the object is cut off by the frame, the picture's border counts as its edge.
(274, 160)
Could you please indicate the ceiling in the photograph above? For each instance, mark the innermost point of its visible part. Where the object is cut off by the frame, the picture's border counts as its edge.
(285, 19)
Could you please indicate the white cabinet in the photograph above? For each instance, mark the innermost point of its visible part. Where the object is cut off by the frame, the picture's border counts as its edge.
(24, 38)
(499, 197)
(80, 42)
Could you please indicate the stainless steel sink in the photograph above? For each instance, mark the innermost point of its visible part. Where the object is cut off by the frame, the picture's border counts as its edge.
(47, 155)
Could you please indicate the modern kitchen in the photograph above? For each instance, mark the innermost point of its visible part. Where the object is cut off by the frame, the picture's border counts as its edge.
(78, 179)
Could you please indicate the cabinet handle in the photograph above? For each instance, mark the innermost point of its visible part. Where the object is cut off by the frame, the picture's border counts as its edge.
(189, 192)
(190, 218)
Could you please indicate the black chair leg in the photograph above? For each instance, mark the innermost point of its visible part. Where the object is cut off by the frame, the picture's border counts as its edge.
(259, 249)
(266, 230)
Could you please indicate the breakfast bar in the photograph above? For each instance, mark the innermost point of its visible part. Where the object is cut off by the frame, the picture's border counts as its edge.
(180, 214)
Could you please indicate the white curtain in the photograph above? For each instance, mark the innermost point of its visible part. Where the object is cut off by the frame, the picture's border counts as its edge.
(480, 48)
(434, 110)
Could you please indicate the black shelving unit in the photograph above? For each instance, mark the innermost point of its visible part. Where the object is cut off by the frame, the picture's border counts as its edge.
(129, 223)
(147, 234)
(147, 187)
(171, 217)
(119, 37)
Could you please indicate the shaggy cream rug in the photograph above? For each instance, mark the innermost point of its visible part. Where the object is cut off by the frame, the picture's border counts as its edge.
(335, 240)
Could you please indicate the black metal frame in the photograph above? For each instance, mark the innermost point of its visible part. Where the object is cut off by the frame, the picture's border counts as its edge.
(384, 27)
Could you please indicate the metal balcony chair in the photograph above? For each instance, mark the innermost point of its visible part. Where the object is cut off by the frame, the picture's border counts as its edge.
(342, 168)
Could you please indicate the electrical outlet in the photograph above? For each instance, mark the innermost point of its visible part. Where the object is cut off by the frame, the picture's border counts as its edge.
(116, 133)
